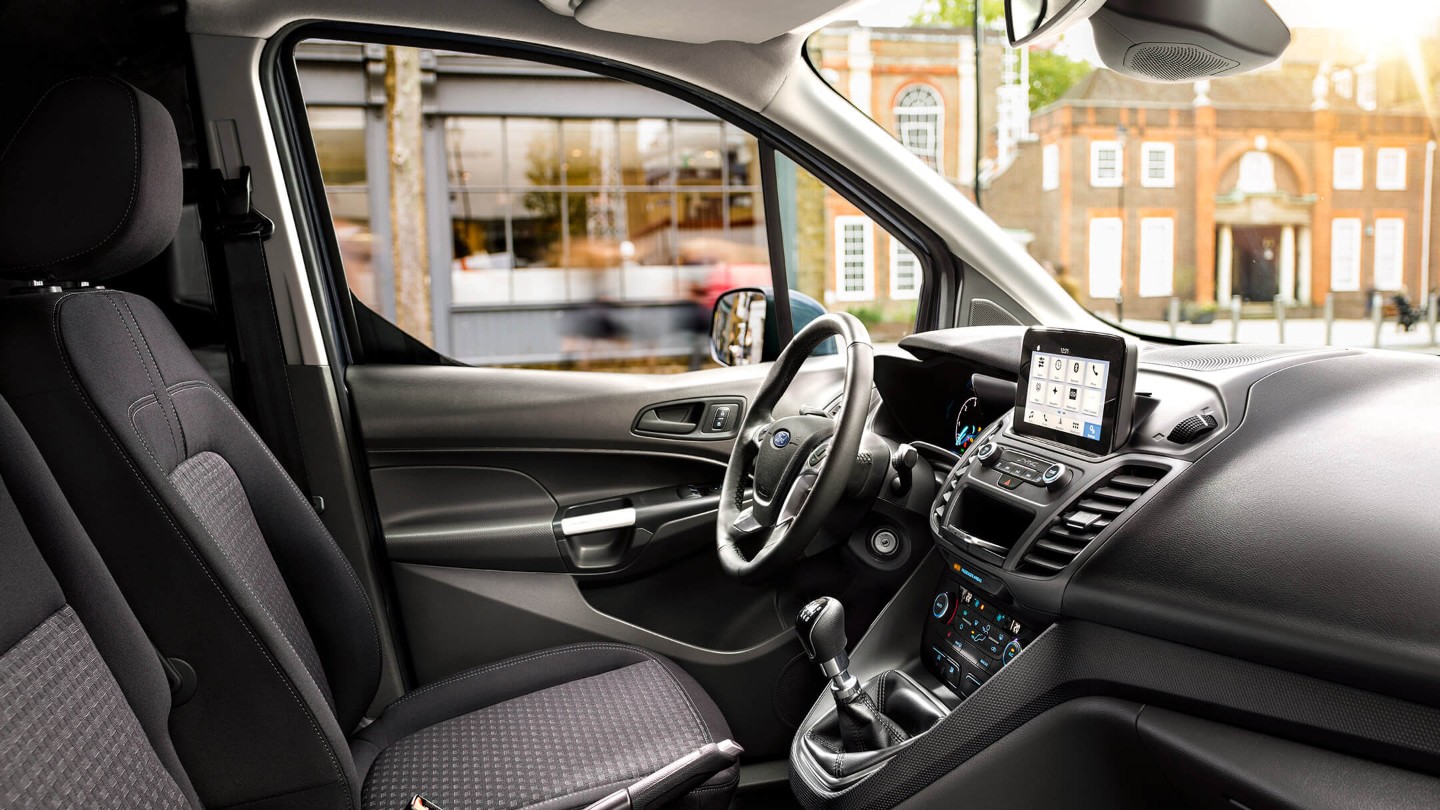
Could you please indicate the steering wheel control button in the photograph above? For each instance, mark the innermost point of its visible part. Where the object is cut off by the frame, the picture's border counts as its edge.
(884, 543)
(819, 455)
(780, 438)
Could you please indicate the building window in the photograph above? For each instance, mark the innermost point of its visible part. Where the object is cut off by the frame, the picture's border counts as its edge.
(1257, 173)
(1345, 254)
(1050, 167)
(854, 259)
(1105, 246)
(1159, 165)
(904, 271)
(918, 116)
(1157, 257)
(1106, 164)
(1349, 168)
(1389, 253)
(1390, 169)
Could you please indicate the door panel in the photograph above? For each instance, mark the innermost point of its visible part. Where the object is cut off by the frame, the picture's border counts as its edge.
(522, 509)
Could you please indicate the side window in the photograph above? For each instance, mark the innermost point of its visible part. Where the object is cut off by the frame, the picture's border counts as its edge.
(573, 221)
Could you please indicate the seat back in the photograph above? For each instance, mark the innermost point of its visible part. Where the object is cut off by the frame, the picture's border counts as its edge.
(83, 698)
(224, 561)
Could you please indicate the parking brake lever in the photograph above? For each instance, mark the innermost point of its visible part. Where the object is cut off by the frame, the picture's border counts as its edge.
(674, 780)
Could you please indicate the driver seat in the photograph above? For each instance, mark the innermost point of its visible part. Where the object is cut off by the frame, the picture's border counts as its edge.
(268, 635)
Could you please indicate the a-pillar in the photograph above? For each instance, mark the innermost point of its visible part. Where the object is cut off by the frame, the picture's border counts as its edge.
(1224, 264)
(1287, 264)
(1306, 262)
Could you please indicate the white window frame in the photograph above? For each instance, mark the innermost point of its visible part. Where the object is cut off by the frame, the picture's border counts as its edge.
(1103, 270)
(1389, 253)
(916, 117)
(1157, 257)
(1096, 147)
(1345, 270)
(1348, 169)
(1050, 167)
(897, 292)
(1167, 180)
(1394, 178)
(867, 257)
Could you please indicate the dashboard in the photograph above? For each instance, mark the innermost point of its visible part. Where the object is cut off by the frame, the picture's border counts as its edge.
(1182, 506)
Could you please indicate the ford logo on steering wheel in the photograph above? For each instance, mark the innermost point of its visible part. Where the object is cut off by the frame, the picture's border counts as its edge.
(781, 438)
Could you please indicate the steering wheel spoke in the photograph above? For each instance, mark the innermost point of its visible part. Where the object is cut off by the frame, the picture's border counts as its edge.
(746, 523)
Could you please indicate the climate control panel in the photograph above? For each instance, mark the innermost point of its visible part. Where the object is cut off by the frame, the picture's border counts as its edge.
(968, 637)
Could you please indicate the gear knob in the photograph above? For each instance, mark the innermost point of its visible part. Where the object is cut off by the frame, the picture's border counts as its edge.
(821, 627)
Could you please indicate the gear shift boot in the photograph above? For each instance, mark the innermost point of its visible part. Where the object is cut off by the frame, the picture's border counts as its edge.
(890, 710)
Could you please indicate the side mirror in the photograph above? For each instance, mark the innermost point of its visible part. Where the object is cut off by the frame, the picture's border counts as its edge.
(737, 327)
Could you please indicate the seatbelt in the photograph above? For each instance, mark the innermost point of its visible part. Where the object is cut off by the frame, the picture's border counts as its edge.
(259, 364)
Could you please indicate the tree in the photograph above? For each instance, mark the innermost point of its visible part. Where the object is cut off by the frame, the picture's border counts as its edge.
(405, 129)
(958, 13)
(1052, 75)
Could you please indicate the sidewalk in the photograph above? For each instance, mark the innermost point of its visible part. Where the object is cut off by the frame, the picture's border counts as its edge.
(1302, 332)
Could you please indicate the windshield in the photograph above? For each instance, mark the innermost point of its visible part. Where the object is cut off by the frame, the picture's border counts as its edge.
(1294, 204)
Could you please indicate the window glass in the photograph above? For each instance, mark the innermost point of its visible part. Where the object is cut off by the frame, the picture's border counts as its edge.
(1257, 173)
(1159, 165)
(1050, 167)
(1157, 256)
(1389, 253)
(1349, 167)
(918, 113)
(1105, 241)
(1390, 169)
(1106, 167)
(569, 241)
(1345, 254)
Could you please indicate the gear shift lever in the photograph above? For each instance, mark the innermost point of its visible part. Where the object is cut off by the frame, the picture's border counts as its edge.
(821, 627)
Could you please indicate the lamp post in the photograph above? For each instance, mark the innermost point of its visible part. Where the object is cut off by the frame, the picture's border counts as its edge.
(1120, 134)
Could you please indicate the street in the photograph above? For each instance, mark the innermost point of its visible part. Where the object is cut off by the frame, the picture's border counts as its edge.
(1307, 331)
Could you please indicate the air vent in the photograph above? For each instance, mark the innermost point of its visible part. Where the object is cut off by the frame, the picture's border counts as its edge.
(1073, 530)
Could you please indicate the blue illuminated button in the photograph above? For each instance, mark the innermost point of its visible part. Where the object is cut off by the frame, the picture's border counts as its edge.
(941, 606)
(1011, 650)
(1092, 431)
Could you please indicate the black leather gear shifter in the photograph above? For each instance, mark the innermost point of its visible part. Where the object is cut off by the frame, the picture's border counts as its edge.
(863, 726)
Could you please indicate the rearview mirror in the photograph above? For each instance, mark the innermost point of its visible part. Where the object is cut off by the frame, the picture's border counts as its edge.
(737, 327)
(1028, 20)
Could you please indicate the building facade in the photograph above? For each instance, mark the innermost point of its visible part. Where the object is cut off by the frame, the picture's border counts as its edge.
(1306, 181)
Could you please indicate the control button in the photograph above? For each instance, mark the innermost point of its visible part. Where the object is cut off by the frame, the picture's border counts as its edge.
(1011, 650)
(1015, 628)
(970, 684)
(884, 543)
(1052, 474)
(1081, 519)
(1010, 481)
(941, 608)
(988, 454)
(819, 455)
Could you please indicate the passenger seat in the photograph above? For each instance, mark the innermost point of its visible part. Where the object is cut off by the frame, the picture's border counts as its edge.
(83, 697)
(224, 561)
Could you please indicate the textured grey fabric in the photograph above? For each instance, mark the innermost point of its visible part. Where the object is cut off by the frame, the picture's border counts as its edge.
(69, 738)
(210, 487)
(601, 731)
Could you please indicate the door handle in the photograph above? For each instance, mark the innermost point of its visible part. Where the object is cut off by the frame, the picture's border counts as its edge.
(676, 420)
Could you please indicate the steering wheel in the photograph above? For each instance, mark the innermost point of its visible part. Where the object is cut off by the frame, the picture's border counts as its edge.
(801, 463)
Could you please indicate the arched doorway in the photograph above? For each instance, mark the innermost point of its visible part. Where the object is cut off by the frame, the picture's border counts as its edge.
(1262, 230)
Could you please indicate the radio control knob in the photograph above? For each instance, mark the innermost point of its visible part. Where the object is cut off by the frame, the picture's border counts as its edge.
(988, 454)
(1054, 476)
(942, 607)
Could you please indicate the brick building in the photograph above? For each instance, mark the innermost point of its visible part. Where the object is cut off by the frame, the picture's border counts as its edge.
(1310, 179)
(919, 84)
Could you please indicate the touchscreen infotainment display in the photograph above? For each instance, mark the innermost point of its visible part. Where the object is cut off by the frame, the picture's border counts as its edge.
(1076, 388)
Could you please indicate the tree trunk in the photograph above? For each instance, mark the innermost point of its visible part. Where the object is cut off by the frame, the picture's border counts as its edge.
(404, 124)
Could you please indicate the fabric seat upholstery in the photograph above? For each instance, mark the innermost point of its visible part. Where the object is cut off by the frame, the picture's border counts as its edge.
(224, 561)
(83, 698)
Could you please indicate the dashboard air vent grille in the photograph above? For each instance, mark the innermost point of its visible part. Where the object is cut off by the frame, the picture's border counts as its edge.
(1075, 527)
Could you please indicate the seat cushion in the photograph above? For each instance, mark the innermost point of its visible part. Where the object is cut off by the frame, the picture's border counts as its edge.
(555, 729)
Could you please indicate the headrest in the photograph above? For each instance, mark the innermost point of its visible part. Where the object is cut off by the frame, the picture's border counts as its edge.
(90, 185)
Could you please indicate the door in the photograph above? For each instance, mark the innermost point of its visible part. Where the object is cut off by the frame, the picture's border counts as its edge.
(545, 446)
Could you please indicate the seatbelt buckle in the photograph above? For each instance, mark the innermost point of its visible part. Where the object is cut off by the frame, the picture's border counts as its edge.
(418, 802)
(234, 205)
